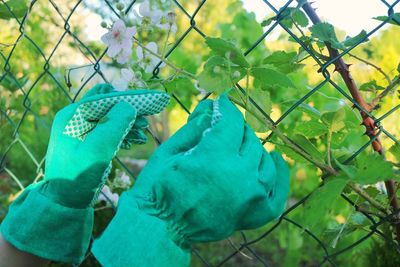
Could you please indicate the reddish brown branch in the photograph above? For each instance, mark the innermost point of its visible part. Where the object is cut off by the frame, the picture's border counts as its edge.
(368, 122)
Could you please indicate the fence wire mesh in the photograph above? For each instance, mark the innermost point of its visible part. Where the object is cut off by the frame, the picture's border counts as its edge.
(55, 67)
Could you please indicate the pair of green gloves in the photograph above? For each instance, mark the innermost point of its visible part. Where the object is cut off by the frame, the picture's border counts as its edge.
(211, 178)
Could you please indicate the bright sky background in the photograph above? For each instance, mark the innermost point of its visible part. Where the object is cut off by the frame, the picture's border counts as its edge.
(352, 16)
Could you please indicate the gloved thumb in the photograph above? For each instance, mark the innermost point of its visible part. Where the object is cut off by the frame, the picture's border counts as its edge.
(191, 133)
(111, 130)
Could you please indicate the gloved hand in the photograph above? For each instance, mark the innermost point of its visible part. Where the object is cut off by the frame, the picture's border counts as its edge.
(77, 167)
(211, 178)
(53, 219)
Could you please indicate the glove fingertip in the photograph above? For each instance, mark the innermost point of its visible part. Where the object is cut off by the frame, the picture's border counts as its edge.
(141, 122)
(204, 106)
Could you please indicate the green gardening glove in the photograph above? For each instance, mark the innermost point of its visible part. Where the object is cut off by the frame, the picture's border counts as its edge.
(53, 219)
(211, 178)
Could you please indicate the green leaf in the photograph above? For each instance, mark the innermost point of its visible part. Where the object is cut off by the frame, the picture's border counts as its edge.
(311, 128)
(17, 7)
(183, 88)
(217, 75)
(13, 84)
(333, 233)
(371, 86)
(395, 151)
(293, 15)
(372, 168)
(321, 202)
(359, 38)
(279, 57)
(180, 83)
(325, 32)
(284, 62)
(349, 170)
(244, 27)
(369, 168)
(306, 145)
(291, 153)
(342, 153)
(300, 18)
(372, 191)
(305, 108)
(267, 21)
(335, 120)
(268, 78)
(227, 50)
(396, 16)
(263, 100)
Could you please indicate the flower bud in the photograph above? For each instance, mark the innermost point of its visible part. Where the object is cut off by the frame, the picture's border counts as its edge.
(138, 74)
(217, 69)
(171, 18)
(104, 24)
(236, 74)
(120, 6)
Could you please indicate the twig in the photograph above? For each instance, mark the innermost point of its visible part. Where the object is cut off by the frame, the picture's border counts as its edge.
(326, 168)
(166, 42)
(360, 191)
(329, 139)
(6, 45)
(190, 75)
(368, 122)
(287, 141)
(393, 84)
(372, 65)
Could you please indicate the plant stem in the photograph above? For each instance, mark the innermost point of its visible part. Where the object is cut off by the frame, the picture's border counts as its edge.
(329, 147)
(368, 122)
(178, 70)
(360, 191)
(287, 141)
(166, 42)
(326, 168)
(372, 65)
(393, 84)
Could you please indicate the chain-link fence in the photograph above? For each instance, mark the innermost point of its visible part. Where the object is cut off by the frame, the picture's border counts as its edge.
(244, 248)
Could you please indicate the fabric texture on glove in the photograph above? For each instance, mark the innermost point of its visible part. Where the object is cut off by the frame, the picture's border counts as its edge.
(95, 106)
(211, 178)
(75, 171)
(37, 225)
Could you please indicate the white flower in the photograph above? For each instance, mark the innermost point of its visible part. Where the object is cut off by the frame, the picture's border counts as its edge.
(119, 41)
(146, 60)
(122, 181)
(168, 22)
(125, 179)
(149, 18)
(124, 56)
(122, 83)
(128, 78)
(167, 26)
(145, 12)
(107, 196)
